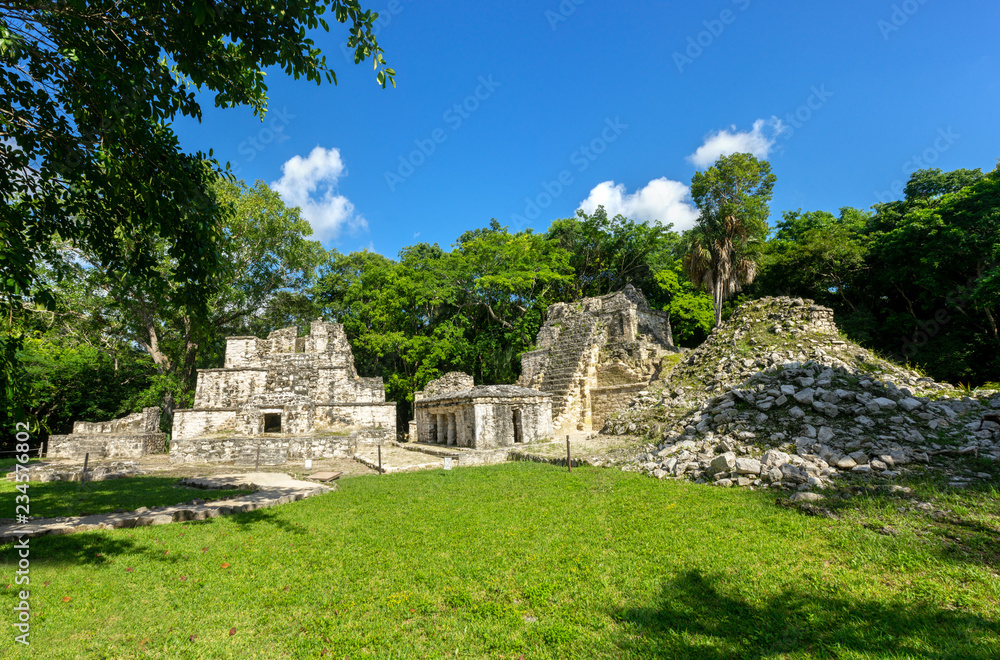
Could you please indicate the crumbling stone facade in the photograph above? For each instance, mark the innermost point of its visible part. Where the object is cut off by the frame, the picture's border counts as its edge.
(483, 417)
(285, 385)
(133, 436)
(594, 353)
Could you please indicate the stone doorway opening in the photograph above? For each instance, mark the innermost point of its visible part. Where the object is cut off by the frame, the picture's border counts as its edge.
(272, 422)
(518, 431)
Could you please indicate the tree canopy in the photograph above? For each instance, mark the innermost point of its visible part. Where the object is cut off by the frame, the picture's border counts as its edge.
(87, 154)
(732, 196)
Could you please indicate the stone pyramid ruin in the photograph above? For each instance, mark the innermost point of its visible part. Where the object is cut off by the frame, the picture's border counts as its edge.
(594, 354)
(777, 397)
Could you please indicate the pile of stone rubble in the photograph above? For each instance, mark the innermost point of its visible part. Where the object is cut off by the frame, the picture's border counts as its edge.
(777, 398)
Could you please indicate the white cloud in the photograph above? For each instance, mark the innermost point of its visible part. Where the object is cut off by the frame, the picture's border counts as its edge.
(311, 184)
(758, 141)
(660, 200)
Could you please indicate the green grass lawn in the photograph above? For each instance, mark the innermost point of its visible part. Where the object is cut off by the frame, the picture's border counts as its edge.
(72, 498)
(510, 561)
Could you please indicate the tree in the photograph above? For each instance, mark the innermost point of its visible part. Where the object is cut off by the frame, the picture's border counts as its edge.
(733, 197)
(86, 152)
(606, 254)
(935, 264)
(473, 309)
(267, 259)
(816, 255)
(690, 310)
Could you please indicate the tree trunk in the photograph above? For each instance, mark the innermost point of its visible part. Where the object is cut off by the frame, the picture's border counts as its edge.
(717, 301)
(167, 418)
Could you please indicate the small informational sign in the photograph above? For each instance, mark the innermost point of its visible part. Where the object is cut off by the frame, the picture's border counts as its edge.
(309, 463)
(447, 464)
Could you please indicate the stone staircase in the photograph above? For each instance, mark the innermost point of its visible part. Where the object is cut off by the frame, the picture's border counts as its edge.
(566, 367)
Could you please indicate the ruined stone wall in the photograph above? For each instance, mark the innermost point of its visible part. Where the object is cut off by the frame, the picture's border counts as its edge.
(374, 415)
(338, 386)
(226, 388)
(274, 450)
(453, 381)
(532, 366)
(147, 421)
(495, 423)
(309, 381)
(483, 417)
(193, 422)
(282, 341)
(106, 445)
(608, 400)
(132, 436)
(244, 352)
(656, 325)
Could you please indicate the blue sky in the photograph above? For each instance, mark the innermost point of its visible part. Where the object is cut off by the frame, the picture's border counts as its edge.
(525, 111)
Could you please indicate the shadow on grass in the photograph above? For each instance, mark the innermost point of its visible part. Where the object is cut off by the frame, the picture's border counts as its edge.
(84, 548)
(73, 498)
(696, 619)
(269, 517)
(963, 522)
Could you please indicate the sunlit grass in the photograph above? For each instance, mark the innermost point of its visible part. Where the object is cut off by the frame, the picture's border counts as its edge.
(510, 560)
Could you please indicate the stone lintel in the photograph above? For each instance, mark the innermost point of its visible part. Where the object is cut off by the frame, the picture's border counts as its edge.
(486, 398)
(619, 388)
(232, 369)
(178, 410)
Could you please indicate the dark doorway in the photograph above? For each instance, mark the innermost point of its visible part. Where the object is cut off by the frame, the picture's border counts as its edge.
(518, 437)
(272, 422)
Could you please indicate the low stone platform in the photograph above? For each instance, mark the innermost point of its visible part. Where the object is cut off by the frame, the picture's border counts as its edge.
(403, 457)
(586, 448)
(272, 489)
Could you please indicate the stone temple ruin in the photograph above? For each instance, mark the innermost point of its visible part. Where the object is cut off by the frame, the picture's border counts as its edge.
(133, 436)
(452, 411)
(594, 354)
(280, 398)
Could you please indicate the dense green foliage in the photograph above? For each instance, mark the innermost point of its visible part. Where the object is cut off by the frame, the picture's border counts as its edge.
(721, 253)
(917, 279)
(87, 154)
(105, 349)
(475, 563)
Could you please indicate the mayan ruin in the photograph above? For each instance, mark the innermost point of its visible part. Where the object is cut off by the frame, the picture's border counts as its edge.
(593, 355)
(285, 397)
(133, 436)
(452, 411)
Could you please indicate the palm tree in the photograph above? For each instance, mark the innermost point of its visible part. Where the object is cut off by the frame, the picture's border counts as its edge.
(721, 251)
(717, 267)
